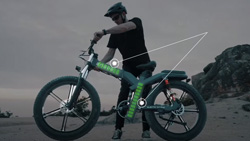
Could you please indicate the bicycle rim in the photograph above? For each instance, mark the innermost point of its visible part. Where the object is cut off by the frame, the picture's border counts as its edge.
(55, 120)
(184, 123)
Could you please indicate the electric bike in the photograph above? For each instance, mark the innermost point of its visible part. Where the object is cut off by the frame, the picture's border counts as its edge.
(68, 107)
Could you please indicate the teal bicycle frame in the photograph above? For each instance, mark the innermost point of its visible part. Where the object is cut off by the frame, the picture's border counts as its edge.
(136, 85)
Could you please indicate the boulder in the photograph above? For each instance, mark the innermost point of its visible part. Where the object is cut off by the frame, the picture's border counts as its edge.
(228, 76)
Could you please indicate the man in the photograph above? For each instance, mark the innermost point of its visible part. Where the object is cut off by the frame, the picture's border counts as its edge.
(128, 37)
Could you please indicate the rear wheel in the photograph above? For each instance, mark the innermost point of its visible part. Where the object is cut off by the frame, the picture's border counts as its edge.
(55, 120)
(183, 124)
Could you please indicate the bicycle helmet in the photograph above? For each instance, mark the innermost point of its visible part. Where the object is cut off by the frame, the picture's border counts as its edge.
(116, 8)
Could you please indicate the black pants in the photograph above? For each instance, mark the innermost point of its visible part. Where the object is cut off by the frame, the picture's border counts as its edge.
(123, 95)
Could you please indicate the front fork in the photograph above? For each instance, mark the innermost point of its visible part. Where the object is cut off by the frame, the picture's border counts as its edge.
(83, 76)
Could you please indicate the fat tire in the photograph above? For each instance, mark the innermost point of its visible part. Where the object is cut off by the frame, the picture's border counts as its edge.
(160, 131)
(52, 133)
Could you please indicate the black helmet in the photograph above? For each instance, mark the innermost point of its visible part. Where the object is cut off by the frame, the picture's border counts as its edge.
(116, 8)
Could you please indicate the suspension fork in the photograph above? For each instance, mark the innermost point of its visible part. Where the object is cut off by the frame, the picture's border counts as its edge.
(76, 94)
(81, 79)
(83, 76)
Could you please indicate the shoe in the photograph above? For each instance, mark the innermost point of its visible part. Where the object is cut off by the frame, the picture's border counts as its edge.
(117, 134)
(145, 134)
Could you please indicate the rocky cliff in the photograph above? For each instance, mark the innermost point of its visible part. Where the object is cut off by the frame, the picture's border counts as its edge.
(228, 76)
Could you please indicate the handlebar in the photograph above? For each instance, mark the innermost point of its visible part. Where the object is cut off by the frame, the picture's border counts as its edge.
(91, 50)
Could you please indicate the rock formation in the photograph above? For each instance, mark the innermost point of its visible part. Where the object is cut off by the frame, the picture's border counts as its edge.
(228, 76)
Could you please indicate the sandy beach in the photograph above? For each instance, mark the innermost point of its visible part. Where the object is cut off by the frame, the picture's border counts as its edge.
(226, 121)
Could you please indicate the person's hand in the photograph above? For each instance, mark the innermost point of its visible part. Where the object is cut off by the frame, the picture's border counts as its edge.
(98, 35)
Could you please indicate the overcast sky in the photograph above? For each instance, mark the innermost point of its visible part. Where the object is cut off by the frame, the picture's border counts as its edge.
(41, 39)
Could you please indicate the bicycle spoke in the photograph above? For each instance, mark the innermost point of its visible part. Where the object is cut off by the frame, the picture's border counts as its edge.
(65, 118)
(51, 113)
(170, 121)
(182, 95)
(184, 123)
(81, 118)
(192, 110)
(58, 99)
(168, 124)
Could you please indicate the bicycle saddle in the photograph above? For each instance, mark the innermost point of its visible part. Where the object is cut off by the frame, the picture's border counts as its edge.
(149, 66)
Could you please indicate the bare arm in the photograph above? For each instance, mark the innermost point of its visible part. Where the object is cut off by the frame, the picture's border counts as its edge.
(115, 30)
(109, 55)
(121, 28)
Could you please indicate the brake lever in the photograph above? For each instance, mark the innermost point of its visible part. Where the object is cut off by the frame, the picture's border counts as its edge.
(90, 49)
(82, 58)
(83, 53)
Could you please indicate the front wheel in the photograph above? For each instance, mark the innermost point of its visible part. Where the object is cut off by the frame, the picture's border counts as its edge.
(183, 124)
(53, 117)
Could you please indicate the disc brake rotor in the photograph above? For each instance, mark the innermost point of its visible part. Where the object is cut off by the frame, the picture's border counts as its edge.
(179, 111)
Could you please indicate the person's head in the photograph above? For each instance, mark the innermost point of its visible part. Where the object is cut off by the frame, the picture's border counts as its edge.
(117, 13)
